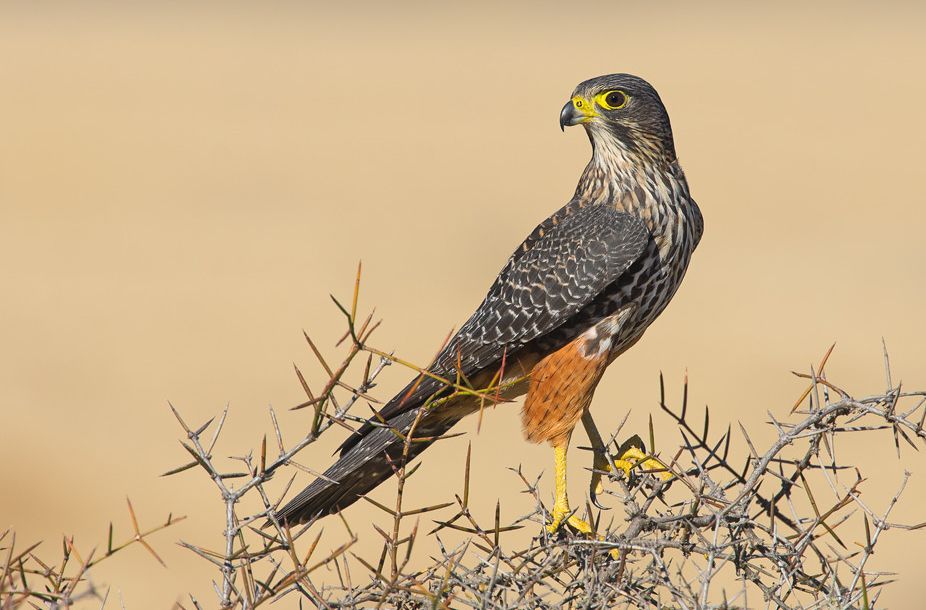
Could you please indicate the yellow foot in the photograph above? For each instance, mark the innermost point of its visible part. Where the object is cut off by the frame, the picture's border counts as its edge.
(572, 521)
(630, 456)
(578, 525)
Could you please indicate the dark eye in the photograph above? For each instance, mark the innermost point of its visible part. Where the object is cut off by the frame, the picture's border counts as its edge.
(612, 100)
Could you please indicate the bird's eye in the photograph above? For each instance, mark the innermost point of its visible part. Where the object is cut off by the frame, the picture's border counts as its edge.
(612, 100)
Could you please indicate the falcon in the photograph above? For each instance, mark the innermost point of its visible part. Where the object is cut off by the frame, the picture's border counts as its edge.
(578, 292)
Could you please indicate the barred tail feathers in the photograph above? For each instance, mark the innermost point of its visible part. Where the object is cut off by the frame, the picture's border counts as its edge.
(365, 465)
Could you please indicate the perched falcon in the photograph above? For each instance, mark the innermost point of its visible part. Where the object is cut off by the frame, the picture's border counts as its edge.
(579, 291)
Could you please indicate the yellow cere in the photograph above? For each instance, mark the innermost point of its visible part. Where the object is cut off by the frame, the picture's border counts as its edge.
(585, 107)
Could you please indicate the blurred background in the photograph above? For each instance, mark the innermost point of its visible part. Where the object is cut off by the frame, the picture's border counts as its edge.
(182, 186)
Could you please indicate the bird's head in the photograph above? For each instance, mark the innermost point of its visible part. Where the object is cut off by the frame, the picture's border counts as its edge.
(622, 110)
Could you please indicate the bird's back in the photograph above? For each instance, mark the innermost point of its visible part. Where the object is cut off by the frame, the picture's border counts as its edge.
(660, 198)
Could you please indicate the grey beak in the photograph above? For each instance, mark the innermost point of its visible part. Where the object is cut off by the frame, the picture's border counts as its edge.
(568, 116)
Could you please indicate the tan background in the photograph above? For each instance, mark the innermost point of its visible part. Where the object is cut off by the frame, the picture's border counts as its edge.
(182, 187)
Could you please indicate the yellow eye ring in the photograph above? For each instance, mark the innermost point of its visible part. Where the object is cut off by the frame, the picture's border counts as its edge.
(612, 100)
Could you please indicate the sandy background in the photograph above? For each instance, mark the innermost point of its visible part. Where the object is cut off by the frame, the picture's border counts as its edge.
(181, 188)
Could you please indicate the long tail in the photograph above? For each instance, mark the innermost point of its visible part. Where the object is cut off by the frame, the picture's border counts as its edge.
(365, 465)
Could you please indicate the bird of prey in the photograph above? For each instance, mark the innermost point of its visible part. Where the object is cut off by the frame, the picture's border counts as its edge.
(580, 290)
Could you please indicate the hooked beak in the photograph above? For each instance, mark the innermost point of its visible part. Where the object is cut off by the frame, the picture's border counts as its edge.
(577, 110)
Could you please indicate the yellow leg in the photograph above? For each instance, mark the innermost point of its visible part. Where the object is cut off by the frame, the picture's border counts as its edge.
(561, 508)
